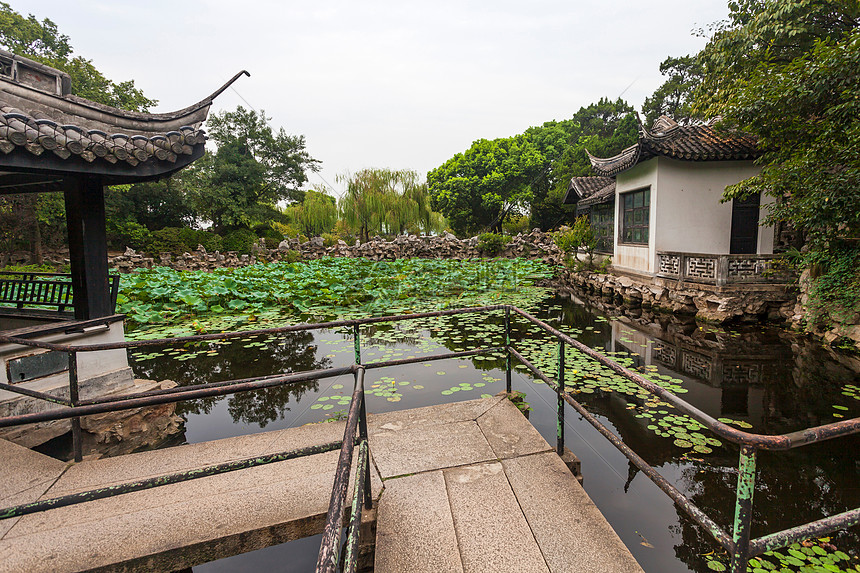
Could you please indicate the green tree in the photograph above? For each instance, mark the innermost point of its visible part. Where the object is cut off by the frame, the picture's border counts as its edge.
(477, 189)
(674, 98)
(386, 202)
(316, 215)
(252, 170)
(787, 72)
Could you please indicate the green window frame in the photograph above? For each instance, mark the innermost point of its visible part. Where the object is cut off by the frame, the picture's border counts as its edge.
(603, 223)
(635, 216)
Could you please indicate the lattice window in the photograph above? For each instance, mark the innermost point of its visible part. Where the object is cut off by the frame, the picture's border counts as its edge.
(603, 223)
(666, 355)
(742, 374)
(701, 267)
(669, 264)
(635, 214)
(747, 267)
(696, 365)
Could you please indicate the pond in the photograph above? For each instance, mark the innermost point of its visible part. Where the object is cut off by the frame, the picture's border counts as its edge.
(755, 377)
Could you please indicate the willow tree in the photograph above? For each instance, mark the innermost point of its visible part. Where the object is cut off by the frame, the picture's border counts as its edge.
(316, 215)
(387, 202)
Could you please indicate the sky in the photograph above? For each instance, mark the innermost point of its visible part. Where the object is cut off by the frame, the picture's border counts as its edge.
(378, 83)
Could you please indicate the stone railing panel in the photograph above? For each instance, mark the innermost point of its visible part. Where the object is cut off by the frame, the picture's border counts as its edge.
(722, 269)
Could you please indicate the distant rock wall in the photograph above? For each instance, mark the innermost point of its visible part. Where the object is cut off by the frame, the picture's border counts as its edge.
(534, 245)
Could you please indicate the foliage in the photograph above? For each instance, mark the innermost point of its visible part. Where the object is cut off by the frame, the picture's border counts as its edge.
(492, 243)
(324, 286)
(476, 190)
(516, 224)
(178, 240)
(528, 174)
(42, 42)
(786, 72)
(674, 98)
(315, 215)
(386, 202)
(579, 238)
(155, 204)
(127, 233)
(239, 240)
(835, 292)
(253, 167)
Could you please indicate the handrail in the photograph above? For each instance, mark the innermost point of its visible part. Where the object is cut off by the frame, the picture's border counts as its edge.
(739, 543)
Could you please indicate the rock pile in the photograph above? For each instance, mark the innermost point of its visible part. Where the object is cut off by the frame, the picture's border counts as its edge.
(534, 245)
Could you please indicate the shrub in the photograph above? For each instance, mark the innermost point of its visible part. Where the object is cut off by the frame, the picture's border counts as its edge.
(122, 234)
(272, 236)
(516, 224)
(579, 238)
(329, 240)
(239, 240)
(180, 240)
(492, 243)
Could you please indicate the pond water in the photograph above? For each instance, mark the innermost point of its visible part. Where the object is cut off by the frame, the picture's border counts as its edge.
(755, 377)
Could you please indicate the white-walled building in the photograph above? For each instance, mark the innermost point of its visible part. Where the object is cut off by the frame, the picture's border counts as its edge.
(668, 216)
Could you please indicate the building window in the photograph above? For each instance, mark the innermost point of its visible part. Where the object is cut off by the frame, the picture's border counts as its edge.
(603, 223)
(635, 208)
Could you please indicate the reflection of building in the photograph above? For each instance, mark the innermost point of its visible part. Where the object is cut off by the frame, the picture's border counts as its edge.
(54, 141)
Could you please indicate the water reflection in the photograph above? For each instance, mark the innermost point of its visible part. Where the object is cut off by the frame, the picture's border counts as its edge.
(238, 359)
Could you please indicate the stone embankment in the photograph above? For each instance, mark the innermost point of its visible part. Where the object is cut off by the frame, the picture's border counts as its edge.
(706, 302)
(534, 245)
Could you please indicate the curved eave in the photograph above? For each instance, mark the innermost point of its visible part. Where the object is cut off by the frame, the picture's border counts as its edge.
(20, 161)
(132, 121)
(611, 166)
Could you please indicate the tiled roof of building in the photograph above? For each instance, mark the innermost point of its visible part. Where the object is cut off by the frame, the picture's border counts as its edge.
(39, 115)
(684, 142)
(591, 189)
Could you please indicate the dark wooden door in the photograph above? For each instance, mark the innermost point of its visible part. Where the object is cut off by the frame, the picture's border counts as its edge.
(744, 238)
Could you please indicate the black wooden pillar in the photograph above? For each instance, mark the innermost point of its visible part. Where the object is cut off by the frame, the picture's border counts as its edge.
(85, 217)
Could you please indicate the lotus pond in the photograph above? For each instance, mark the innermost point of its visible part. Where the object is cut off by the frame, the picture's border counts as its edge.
(757, 378)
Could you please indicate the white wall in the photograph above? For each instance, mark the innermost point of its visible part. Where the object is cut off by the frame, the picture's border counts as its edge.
(636, 257)
(689, 216)
(686, 214)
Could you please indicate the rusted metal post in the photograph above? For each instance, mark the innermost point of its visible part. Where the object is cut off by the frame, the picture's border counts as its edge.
(743, 509)
(559, 444)
(77, 446)
(356, 341)
(362, 435)
(507, 351)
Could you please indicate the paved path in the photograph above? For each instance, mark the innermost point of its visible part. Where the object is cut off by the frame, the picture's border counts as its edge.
(469, 486)
(473, 487)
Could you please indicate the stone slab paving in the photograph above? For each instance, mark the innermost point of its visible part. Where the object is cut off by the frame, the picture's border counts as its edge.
(521, 510)
(174, 526)
(468, 487)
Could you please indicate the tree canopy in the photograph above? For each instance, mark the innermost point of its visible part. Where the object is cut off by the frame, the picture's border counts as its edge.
(528, 173)
(787, 72)
(386, 202)
(253, 167)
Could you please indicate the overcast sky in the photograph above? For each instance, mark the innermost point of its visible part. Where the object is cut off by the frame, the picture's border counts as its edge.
(381, 83)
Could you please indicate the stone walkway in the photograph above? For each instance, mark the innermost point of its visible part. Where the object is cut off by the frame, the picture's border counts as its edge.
(469, 486)
(473, 487)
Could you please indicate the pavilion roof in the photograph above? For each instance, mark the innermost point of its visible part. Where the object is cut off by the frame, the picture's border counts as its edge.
(585, 191)
(667, 138)
(46, 129)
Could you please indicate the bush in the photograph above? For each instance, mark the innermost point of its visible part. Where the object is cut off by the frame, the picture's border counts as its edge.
(239, 240)
(178, 240)
(579, 238)
(516, 224)
(329, 240)
(122, 234)
(272, 236)
(492, 243)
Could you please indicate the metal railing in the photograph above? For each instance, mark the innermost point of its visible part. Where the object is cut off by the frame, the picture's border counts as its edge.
(739, 543)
